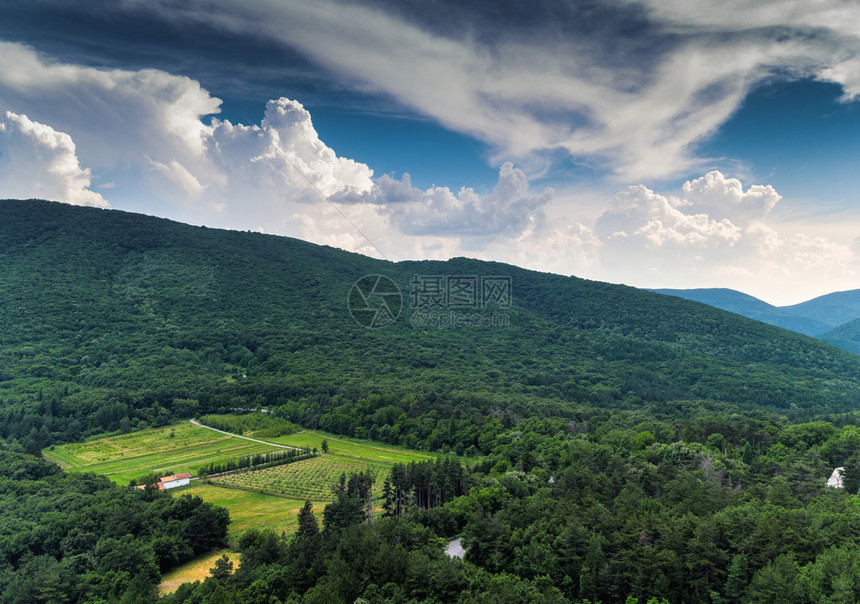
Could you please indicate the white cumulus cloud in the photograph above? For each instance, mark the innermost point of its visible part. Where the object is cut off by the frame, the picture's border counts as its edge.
(38, 161)
(284, 152)
(115, 116)
(436, 210)
(718, 233)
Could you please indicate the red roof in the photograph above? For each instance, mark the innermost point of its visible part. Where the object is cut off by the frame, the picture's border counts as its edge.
(165, 479)
(173, 477)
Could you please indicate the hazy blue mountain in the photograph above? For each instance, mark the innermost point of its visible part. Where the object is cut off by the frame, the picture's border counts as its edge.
(721, 297)
(814, 317)
(834, 309)
(846, 336)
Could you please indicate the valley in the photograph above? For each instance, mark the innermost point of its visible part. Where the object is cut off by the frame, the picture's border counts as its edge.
(614, 444)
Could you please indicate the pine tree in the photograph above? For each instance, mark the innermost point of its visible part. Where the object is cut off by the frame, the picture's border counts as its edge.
(748, 454)
(387, 498)
(308, 526)
(851, 474)
(736, 581)
(223, 568)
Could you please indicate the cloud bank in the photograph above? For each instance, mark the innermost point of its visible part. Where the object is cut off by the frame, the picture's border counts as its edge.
(631, 87)
(172, 151)
(716, 233)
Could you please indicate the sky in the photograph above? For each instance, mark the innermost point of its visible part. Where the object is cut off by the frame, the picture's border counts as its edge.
(657, 143)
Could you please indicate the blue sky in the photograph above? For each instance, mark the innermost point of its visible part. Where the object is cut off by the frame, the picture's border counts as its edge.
(654, 143)
(798, 137)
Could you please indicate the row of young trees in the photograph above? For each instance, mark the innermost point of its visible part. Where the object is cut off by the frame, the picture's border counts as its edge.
(257, 461)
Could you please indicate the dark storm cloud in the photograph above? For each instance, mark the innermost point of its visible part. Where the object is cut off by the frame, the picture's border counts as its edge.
(115, 35)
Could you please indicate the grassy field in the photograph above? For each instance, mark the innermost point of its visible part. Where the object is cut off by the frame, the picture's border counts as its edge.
(183, 447)
(134, 455)
(353, 447)
(306, 479)
(195, 570)
(252, 510)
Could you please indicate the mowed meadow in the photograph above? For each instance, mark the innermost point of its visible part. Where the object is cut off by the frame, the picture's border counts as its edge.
(168, 450)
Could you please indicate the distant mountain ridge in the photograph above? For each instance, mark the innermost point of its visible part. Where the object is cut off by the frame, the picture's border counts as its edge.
(846, 336)
(822, 317)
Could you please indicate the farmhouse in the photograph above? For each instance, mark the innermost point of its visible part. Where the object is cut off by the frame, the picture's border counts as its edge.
(174, 480)
(170, 482)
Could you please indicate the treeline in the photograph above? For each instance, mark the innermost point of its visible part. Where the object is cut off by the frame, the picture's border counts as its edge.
(257, 461)
(725, 508)
(78, 537)
(114, 322)
(425, 484)
(351, 559)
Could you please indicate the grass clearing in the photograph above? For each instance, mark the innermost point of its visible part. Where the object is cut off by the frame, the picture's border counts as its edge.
(252, 510)
(130, 456)
(194, 570)
(133, 444)
(353, 447)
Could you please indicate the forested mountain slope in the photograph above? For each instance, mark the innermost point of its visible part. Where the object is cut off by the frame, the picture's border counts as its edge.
(625, 444)
(845, 336)
(836, 308)
(107, 315)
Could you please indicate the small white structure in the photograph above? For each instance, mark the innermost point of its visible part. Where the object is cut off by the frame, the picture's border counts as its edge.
(455, 549)
(835, 479)
(174, 480)
(169, 482)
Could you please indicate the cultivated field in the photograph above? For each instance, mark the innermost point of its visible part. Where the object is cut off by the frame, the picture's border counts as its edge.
(250, 510)
(307, 479)
(266, 498)
(134, 455)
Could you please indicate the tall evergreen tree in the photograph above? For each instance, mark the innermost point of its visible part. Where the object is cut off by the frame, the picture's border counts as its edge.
(308, 526)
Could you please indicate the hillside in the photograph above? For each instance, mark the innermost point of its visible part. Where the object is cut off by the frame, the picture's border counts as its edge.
(834, 309)
(846, 336)
(618, 443)
(111, 316)
(813, 318)
(724, 298)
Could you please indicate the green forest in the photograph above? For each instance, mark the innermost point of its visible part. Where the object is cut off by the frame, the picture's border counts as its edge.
(630, 447)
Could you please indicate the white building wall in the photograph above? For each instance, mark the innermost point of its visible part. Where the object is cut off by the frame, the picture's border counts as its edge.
(176, 483)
